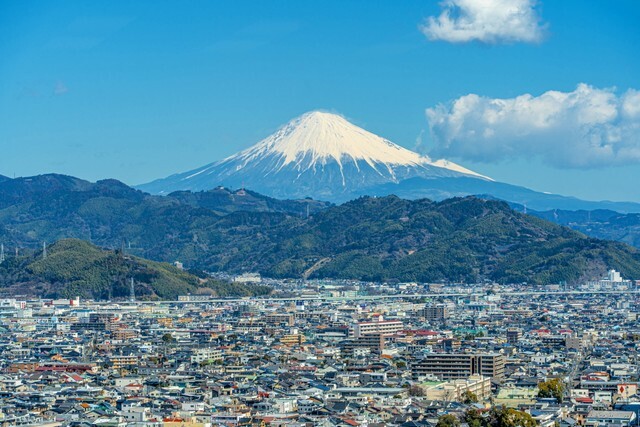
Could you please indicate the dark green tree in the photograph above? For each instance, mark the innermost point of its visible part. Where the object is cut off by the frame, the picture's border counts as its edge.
(448, 420)
(469, 397)
(551, 388)
(474, 418)
(501, 416)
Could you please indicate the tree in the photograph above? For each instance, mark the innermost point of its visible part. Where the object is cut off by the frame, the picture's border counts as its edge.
(167, 338)
(501, 416)
(551, 388)
(448, 420)
(469, 397)
(416, 390)
(474, 418)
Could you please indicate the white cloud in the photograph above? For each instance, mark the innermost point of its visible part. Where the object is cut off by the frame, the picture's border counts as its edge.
(487, 21)
(585, 128)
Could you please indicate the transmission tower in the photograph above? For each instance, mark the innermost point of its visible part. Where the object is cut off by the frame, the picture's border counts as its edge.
(44, 250)
(1, 253)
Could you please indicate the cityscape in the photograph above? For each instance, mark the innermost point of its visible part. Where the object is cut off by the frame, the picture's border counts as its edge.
(326, 353)
(301, 213)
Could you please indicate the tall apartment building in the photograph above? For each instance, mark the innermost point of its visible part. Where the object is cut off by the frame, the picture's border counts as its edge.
(103, 317)
(374, 342)
(201, 355)
(448, 366)
(89, 326)
(287, 319)
(118, 362)
(514, 335)
(434, 312)
(381, 326)
(293, 339)
(454, 390)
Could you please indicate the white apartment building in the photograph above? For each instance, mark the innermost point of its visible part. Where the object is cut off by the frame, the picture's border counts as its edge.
(380, 326)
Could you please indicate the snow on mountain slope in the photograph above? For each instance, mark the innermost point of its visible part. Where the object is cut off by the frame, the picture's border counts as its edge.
(318, 154)
(324, 137)
(442, 163)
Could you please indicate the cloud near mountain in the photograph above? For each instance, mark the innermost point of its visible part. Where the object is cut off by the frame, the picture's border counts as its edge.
(586, 128)
(486, 21)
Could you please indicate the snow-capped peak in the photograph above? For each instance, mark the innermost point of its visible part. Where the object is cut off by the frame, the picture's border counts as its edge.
(320, 137)
(320, 155)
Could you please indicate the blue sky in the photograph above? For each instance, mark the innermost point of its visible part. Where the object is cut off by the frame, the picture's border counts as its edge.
(140, 90)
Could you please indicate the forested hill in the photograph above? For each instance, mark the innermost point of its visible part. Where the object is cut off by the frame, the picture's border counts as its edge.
(77, 268)
(464, 239)
(387, 238)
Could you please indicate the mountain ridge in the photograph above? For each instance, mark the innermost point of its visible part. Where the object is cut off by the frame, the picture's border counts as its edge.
(463, 239)
(445, 188)
(320, 155)
(323, 156)
(369, 238)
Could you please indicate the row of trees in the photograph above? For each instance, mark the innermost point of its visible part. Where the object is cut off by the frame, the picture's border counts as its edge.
(498, 416)
(501, 416)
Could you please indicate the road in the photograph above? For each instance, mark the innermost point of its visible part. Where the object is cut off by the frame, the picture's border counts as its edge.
(370, 297)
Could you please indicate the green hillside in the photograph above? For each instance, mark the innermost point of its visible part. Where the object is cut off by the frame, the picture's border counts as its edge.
(466, 240)
(77, 268)
(388, 238)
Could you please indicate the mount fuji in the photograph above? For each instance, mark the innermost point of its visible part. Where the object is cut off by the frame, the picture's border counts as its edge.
(319, 155)
(323, 156)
